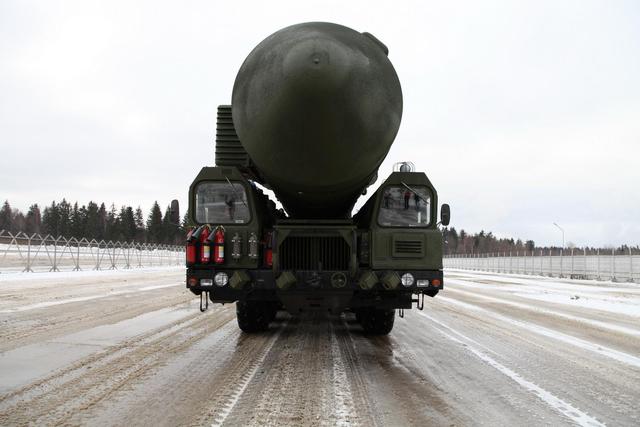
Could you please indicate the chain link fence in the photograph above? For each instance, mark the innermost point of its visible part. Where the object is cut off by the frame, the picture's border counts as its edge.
(29, 253)
(572, 263)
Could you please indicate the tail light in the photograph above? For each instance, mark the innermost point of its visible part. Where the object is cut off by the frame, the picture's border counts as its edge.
(218, 245)
(205, 246)
(268, 249)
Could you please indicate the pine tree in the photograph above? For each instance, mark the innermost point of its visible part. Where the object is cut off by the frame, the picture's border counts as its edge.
(51, 220)
(91, 226)
(530, 245)
(113, 225)
(102, 222)
(128, 224)
(187, 223)
(19, 221)
(139, 222)
(64, 214)
(6, 217)
(453, 240)
(34, 220)
(76, 222)
(154, 224)
(83, 212)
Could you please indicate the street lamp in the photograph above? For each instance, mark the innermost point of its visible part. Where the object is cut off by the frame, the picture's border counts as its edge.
(561, 229)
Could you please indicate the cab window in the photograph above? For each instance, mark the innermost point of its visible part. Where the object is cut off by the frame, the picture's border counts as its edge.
(221, 202)
(405, 206)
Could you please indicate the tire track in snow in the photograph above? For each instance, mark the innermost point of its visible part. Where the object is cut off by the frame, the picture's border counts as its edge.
(246, 379)
(565, 408)
(87, 298)
(596, 323)
(340, 384)
(619, 356)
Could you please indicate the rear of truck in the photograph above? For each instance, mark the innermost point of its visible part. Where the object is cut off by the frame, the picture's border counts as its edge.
(244, 250)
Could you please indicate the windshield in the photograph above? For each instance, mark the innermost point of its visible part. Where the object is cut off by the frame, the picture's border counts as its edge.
(221, 202)
(405, 206)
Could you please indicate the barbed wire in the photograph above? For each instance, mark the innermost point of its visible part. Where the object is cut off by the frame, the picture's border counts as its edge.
(36, 252)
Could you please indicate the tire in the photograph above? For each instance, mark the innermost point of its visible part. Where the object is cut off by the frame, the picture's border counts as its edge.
(377, 321)
(272, 310)
(253, 316)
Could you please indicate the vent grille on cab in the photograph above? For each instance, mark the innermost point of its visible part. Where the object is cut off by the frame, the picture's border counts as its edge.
(314, 253)
(408, 248)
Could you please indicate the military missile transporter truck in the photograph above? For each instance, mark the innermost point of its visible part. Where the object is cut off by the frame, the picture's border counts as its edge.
(315, 109)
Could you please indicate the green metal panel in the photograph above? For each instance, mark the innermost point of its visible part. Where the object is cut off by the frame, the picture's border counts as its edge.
(398, 248)
(317, 106)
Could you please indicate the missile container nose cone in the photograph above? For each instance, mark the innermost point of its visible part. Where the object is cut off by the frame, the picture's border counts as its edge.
(317, 106)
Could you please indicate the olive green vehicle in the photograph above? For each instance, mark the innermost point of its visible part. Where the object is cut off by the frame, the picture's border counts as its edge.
(315, 110)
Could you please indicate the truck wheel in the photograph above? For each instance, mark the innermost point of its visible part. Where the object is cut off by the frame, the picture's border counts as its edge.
(272, 310)
(253, 316)
(377, 321)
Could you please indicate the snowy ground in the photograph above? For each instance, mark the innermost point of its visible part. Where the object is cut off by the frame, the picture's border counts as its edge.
(131, 347)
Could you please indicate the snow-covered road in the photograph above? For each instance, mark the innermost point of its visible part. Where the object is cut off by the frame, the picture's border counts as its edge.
(131, 348)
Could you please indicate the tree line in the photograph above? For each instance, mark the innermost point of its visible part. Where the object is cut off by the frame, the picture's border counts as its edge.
(455, 242)
(93, 221)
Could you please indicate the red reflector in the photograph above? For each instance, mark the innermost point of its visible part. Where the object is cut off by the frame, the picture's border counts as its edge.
(192, 281)
(436, 282)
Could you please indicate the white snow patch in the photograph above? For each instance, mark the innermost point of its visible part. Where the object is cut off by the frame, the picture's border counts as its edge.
(624, 300)
(87, 298)
(37, 276)
(565, 408)
(540, 330)
(596, 323)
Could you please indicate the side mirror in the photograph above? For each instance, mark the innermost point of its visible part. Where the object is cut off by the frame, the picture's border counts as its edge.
(175, 212)
(445, 214)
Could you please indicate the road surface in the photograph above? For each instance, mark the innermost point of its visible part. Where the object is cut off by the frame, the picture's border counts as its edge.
(131, 348)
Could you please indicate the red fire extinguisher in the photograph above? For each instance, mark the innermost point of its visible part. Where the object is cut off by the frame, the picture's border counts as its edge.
(191, 246)
(218, 245)
(205, 247)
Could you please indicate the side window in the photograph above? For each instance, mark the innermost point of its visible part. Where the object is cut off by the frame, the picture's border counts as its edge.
(405, 206)
(222, 203)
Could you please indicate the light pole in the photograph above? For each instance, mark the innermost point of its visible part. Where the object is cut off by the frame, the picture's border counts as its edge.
(561, 229)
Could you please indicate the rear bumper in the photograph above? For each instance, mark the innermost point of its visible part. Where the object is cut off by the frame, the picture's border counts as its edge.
(265, 282)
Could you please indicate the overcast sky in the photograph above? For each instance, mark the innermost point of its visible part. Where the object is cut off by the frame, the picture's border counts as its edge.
(521, 113)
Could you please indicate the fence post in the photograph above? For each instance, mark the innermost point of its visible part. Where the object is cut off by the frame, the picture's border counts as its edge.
(510, 263)
(613, 265)
(586, 269)
(28, 268)
(561, 262)
(630, 266)
(571, 277)
(598, 272)
(55, 255)
(541, 258)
